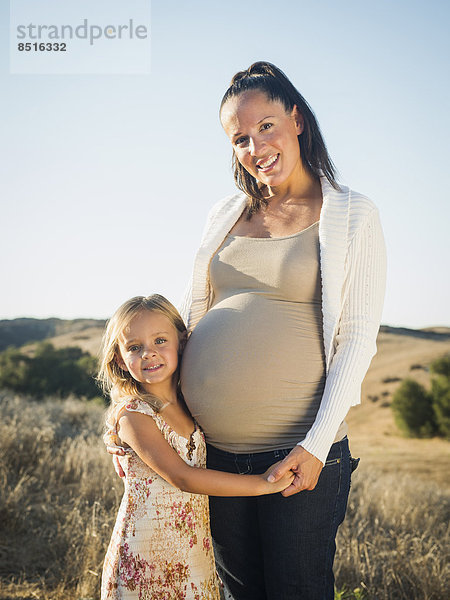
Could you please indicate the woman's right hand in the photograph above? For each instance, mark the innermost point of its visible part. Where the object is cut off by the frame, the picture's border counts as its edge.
(116, 452)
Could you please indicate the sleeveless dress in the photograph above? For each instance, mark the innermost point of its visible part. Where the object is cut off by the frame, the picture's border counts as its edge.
(161, 546)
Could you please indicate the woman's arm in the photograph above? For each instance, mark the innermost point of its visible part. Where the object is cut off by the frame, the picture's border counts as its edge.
(140, 432)
(354, 349)
(356, 338)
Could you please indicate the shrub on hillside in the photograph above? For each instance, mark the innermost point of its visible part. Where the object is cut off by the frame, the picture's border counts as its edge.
(413, 409)
(440, 390)
(441, 366)
(441, 406)
(422, 413)
(50, 371)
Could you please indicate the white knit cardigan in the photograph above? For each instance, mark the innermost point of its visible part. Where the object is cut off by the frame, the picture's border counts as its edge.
(353, 270)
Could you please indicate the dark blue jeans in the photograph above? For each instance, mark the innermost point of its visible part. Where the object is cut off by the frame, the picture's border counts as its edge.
(276, 548)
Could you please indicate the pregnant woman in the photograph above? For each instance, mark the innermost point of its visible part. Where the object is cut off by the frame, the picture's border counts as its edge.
(284, 308)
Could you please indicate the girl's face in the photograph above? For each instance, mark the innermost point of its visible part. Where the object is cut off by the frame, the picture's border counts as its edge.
(263, 136)
(148, 350)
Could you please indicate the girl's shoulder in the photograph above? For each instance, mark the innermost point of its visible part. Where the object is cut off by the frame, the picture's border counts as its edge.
(111, 437)
(129, 404)
(137, 405)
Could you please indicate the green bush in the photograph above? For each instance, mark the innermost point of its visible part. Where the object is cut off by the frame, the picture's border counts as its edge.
(422, 413)
(50, 371)
(413, 409)
(440, 390)
(441, 366)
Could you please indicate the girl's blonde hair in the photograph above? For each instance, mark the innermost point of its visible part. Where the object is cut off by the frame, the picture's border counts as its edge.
(115, 381)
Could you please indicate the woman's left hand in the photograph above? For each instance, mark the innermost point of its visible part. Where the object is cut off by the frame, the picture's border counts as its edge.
(304, 465)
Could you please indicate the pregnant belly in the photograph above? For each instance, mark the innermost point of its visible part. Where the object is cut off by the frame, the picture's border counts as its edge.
(252, 365)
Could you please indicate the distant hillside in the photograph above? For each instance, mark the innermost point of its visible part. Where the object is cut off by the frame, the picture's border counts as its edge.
(87, 333)
(429, 333)
(17, 332)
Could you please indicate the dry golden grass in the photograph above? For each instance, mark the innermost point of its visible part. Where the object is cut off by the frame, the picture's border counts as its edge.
(394, 541)
(58, 499)
(59, 496)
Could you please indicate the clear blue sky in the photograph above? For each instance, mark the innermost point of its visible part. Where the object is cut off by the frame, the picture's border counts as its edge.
(106, 180)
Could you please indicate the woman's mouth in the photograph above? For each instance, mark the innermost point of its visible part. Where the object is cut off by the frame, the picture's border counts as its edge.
(268, 163)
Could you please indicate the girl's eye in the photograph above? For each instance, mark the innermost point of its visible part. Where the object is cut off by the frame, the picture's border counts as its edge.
(160, 340)
(265, 126)
(133, 348)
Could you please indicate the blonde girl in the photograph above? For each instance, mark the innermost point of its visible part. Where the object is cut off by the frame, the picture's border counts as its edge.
(161, 544)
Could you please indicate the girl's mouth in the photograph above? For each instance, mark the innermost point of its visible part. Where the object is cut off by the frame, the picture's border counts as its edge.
(268, 163)
(153, 368)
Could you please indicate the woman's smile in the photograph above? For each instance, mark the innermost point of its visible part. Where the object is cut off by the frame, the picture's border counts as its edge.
(266, 165)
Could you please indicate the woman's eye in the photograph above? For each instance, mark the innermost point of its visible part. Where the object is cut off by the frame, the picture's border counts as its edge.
(160, 340)
(265, 126)
(239, 141)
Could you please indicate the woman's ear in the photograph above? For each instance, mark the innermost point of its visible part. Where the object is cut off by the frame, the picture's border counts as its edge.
(119, 361)
(298, 120)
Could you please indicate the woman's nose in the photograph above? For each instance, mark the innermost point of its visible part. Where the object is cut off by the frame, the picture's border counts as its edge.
(254, 146)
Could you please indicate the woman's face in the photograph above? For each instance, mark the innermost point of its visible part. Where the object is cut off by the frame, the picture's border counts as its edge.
(263, 136)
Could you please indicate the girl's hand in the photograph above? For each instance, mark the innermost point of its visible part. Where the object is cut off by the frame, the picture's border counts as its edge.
(281, 484)
(116, 452)
(306, 467)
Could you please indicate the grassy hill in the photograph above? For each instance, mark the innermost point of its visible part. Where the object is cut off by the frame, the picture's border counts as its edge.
(17, 332)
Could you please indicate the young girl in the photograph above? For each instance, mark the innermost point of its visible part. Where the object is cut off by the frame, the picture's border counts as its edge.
(161, 544)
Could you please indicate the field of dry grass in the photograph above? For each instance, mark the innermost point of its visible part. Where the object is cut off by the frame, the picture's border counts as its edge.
(59, 493)
(59, 496)
(58, 499)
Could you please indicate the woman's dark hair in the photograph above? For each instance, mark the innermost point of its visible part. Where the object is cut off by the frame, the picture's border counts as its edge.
(267, 78)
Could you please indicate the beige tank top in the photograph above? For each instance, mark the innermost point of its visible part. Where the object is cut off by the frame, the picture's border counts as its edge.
(253, 371)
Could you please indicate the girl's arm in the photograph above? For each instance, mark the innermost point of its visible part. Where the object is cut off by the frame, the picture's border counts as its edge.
(140, 432)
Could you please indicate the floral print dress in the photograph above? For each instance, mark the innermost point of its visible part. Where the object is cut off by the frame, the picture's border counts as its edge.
(161, 545)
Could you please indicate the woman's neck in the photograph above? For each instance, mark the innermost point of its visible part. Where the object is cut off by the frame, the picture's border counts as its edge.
(301, 188)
